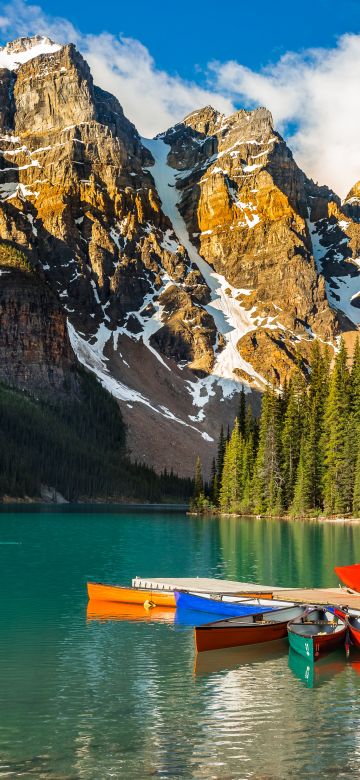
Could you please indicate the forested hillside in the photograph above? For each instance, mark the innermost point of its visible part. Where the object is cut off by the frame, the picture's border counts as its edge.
(303, 455)
(77, 446)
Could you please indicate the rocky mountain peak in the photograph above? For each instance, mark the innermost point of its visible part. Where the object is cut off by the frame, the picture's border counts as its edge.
(258, 121)
(208, 121)
(21, 50)
(204, 120)
(354, 194)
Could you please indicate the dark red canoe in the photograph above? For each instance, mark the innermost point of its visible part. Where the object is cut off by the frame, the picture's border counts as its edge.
(247, 630)
(349, 575)
(353, 622)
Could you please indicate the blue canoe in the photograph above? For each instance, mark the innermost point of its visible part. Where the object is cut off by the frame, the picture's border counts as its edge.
(217, 606)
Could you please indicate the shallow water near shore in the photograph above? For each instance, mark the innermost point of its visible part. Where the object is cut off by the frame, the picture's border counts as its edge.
(87, 695)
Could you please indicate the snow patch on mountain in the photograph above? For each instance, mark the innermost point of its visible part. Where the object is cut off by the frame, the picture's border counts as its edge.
(92, 357)
(149, 323)
(22, 50)
(232, 320)
(342, 289)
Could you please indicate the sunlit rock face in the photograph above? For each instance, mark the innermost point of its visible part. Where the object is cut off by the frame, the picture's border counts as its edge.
(185, 265)
(247, 206)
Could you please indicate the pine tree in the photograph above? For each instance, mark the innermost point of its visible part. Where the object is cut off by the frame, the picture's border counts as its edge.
(354, 423)
(338, 477)
(249, 457)
(225, 486)
(242, 411)
(198, 479)
(220, 454)
(267, 480)
(308, 489)
(294, 420)
(213, 482)
(231, 483)
(356, 493)
(303, 498)
(355, 383)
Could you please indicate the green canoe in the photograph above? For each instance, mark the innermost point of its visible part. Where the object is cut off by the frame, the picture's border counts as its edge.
(317, 632)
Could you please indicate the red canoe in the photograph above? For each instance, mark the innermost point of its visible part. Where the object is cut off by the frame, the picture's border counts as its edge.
(353, 623)
(354, 630)
(350, 576)
(248, 630)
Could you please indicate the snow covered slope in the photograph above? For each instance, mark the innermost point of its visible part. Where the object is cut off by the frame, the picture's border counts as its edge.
(24, 49)
(231, 318)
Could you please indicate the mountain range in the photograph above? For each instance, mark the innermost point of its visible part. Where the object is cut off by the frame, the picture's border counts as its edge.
(176, 269)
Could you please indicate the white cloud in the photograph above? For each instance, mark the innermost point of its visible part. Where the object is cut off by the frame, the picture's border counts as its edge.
(315, 91)
(152, 99)
(23, 19)
(318, 91)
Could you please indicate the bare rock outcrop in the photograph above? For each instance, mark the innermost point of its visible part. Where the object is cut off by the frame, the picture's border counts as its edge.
(35, 350)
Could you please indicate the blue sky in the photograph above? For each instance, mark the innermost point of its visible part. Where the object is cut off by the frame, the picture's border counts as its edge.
(185, 35)
(163, 60)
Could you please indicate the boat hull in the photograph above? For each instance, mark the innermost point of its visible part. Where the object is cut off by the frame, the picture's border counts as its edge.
(215, 606)
(116, 593)
(350, 576)
(354, 634)
(212, 638)
(313, 647)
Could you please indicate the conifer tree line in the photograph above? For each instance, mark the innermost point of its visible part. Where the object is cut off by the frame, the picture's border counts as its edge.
(302, 455)
(78, 447)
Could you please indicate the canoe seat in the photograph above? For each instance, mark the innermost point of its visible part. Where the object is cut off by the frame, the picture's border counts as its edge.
(320, 622)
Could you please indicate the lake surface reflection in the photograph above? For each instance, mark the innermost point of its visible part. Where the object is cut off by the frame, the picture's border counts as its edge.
(88, 695)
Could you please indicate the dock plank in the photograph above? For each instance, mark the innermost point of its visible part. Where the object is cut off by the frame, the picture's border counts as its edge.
(201, 585)
(338, 597)
(211, 585)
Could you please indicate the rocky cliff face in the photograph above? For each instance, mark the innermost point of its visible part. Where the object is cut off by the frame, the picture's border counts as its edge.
(35, 350)
(247, 208)
(186, 265)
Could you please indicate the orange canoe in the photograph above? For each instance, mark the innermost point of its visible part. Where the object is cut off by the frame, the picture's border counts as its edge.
(349, 575)
(159, 598)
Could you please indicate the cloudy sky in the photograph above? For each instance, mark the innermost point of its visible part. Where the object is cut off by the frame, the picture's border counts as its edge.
(163, 60)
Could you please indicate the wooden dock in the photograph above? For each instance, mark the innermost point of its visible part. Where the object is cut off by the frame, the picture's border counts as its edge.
(210, 585)
(201, 585)
(338, 597)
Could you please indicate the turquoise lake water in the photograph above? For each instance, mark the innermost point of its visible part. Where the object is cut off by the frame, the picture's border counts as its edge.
(85, 697)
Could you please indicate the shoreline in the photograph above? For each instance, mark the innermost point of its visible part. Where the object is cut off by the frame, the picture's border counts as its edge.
(38, 505)
(332, 519)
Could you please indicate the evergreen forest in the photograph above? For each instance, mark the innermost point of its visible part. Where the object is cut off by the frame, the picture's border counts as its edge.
(78, 447)
(302, 457)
